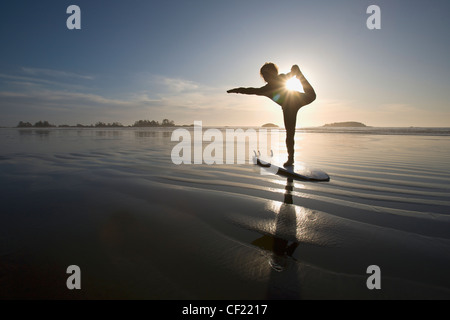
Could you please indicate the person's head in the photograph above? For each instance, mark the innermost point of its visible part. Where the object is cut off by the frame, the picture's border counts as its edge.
(269, 71)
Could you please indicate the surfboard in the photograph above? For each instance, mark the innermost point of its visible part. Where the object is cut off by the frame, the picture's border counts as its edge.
(299, 171)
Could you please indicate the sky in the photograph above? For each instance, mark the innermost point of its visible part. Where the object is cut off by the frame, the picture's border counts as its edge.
(135, 60)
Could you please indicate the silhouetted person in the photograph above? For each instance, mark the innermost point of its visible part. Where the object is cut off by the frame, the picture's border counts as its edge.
(289, 100)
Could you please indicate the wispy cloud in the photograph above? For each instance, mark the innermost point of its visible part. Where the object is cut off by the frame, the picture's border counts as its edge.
(27, 80)
(36, 95)
(54, 73)
(178, 99)
(71, 107)
(179, 85)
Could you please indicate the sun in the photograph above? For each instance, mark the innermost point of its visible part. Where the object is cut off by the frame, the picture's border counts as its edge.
(293, 84)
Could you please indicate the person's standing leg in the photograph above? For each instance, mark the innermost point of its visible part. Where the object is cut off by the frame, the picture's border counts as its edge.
(290, 120)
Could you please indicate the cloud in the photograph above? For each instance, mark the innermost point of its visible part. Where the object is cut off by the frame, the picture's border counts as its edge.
(55, 73)
(179, 85)
(184, 101)
(27, 80)
(151, 97)
(26, 83)
(181, 100)
(71, 107)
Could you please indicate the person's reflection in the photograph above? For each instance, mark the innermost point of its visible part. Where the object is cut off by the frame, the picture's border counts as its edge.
(283, 242)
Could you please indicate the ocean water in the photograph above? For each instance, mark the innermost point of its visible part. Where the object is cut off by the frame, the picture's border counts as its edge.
(112, 202)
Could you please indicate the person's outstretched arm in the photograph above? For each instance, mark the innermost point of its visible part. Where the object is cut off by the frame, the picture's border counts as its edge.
(256, 91)
(310, 94)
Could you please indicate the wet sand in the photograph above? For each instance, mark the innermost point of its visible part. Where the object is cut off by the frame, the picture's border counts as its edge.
(140, 227)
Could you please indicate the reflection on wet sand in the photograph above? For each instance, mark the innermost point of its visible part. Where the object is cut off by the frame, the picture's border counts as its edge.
(285, 225)
(282, 243)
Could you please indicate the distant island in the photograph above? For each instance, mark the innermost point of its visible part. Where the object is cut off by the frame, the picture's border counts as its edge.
(347, 124)
(269, 125)
(39, 124)
(137, 124)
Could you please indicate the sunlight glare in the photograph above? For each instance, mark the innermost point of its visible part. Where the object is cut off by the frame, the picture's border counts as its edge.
(294, 84)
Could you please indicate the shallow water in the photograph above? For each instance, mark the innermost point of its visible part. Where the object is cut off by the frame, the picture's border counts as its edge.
(112, 202)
